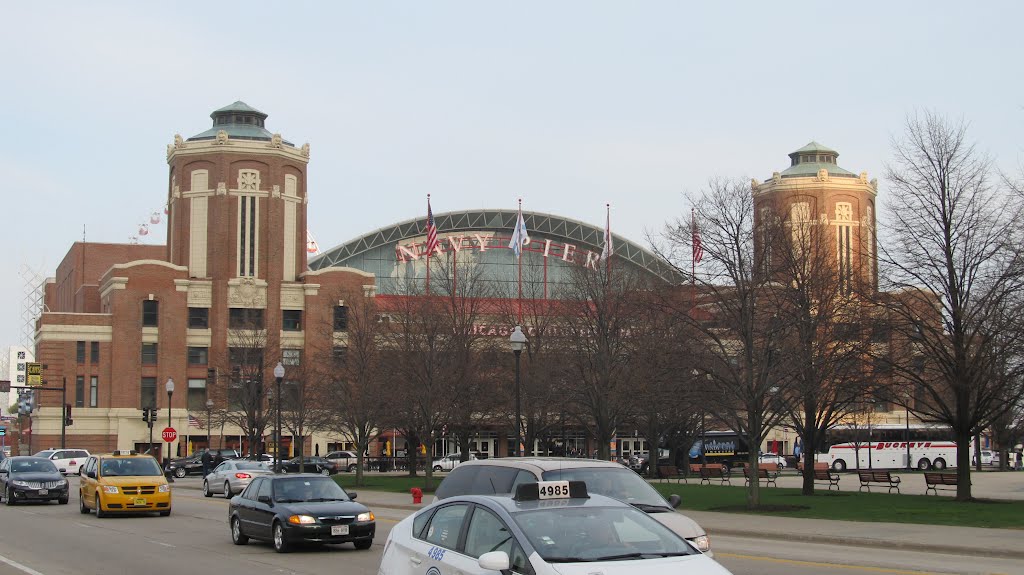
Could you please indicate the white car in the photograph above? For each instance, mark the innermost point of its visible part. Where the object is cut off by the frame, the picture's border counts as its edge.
(987, 458)
(503, 475)
(770, 460)
(449, 462)
(547, 528)
(66, 460)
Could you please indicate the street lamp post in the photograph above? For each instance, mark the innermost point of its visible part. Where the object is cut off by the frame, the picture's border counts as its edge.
(278, 376)
(170, 392)
(518, 342)
(209, 430)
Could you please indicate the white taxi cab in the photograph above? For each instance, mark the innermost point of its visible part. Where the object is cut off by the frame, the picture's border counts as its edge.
(546, 528)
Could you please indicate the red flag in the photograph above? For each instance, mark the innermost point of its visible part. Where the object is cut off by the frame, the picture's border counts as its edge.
(698, 249)
(431, 229)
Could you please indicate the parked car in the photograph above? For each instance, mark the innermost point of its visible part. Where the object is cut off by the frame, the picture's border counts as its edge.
(310, 464)
(496, 476)
(66, 460)
(233, 476)
(987, 458)
(25, 478)
(345, 460)
(191, 465)
(449, 462)
(771, 461)
(299, 508)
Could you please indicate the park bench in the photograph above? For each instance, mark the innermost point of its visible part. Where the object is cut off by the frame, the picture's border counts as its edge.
(762, 473)
(822, 474)
(867, 477)
(934, 481)
(669, 472)
(712, 471)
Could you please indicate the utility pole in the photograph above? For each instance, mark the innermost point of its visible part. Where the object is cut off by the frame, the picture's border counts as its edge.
(63, 412)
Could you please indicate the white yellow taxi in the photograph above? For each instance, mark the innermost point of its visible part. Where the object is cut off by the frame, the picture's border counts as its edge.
(123, 482)
(546, 528)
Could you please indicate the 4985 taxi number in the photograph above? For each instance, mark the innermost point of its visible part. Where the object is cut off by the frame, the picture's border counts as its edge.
(553, 489)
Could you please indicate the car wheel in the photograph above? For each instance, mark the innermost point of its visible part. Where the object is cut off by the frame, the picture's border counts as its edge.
(280, 545)
(206, 489)
(165, 513)
(227, 490)
(325, 471)
(924, 464)
(437, 468)
(237, 537)
(63, 501)
(940, 464)
(352, 468)
(363, 543)
(180, 472)
(81, 504)
(284, 470)
(839, 465)
(100, 513)
(9, 497)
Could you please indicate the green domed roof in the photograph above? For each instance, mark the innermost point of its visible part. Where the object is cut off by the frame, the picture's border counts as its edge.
(241, 121)
(810, 159)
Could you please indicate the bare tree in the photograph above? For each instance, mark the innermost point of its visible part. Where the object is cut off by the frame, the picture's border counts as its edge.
(245, 394)
(956, 261)
(306, 392)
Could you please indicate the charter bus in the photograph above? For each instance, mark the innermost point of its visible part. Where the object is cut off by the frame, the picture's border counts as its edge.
(886, 446)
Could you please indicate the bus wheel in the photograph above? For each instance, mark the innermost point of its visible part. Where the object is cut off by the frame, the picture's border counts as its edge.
(940, 464)
(839, 465)
(924, 464)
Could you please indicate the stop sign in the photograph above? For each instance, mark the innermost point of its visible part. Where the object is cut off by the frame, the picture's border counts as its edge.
(169, 434)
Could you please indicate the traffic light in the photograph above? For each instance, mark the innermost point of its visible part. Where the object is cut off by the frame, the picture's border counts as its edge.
(149, 415)
(26, 402)
(67, 415)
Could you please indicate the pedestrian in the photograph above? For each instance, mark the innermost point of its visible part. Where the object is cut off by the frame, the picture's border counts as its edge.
(217, 460)
(206, 460)
(1020, 459)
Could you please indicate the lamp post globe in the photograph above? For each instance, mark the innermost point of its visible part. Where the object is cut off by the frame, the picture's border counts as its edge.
(278, 376)
(169, 386)
(517, 341)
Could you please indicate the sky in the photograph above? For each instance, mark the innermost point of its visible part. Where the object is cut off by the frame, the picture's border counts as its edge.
(566, 105)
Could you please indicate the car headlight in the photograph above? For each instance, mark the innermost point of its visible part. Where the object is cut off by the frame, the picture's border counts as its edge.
(19, 483)
(368, 516)
(109, 489)
(702, 542)
(165, 488)
(301, 520)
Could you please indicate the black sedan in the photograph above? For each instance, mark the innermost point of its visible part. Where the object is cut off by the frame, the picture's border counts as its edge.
(299, 508)
(192, 465)
(309, 465)
(25, 478)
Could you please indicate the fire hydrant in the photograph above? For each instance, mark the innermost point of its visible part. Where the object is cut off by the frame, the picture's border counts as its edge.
(417, 495)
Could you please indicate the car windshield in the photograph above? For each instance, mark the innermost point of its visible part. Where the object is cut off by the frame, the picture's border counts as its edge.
(572, 534)
(308, 489)
(615, 482)
(252, 465)
(46, 453)
(32, 465)
(134, 466)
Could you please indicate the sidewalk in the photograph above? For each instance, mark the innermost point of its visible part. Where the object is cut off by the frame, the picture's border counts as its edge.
(1007, 543)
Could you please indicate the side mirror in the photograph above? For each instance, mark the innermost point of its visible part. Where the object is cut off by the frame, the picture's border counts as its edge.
(674, 500)
(3, 472)
(265, 499)
(91, 474)
(352, 495)
(494, 561)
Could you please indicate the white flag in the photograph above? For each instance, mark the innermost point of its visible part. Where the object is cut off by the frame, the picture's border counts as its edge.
(520, 237)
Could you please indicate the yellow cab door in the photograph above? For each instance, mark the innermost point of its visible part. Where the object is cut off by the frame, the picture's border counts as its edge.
(88, 483)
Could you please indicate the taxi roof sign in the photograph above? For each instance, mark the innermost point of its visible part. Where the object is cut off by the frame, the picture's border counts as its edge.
(552, 490)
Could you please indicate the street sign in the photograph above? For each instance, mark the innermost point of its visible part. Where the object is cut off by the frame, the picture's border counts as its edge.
(3, 431)
(169, 434)
(35, 374)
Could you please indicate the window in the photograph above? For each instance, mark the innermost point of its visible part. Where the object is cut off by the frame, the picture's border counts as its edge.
(149, 354)
(80, 351)
(150, 312)
(94, 391)
(148, 392)
(197, 394)
(198, 318)
(80, 391)
(245, 318)
(94, 352)
(340, 318)
(291, 320)
(445, 526)
(340, 354)
(487, 533)
(291, 356)
(197, 356)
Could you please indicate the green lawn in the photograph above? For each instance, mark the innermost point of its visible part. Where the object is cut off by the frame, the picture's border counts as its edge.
(847, 506)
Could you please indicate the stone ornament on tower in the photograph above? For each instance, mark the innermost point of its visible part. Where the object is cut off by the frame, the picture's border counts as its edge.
(305, 150)
(222, 137)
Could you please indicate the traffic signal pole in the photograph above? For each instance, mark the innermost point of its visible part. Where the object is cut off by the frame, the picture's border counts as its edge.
(63, 412)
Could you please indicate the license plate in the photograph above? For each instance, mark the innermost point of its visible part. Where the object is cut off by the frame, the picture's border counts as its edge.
(339, 529)
(140, 501)
(43, 491)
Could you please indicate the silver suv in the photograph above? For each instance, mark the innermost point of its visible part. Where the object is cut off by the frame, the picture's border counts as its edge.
(490, 476)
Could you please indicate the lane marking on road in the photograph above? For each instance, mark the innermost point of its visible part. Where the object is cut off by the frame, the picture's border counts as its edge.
(822, 564)
(161, 543)
(19, 566)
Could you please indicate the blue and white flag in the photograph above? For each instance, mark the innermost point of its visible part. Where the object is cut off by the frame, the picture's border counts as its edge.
(520, 236)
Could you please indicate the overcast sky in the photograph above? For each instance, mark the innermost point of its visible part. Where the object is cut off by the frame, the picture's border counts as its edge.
(568, 105)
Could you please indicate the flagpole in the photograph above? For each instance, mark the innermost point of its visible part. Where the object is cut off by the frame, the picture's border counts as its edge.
(608, 226)
(693, 262)
(520, 262)
(429, 215)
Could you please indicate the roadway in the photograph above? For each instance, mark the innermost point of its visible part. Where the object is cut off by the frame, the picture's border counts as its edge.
(51, 539)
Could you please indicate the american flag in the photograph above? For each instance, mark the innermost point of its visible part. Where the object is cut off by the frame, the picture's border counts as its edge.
(431, 229)
(193, 421)
(698, 248)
